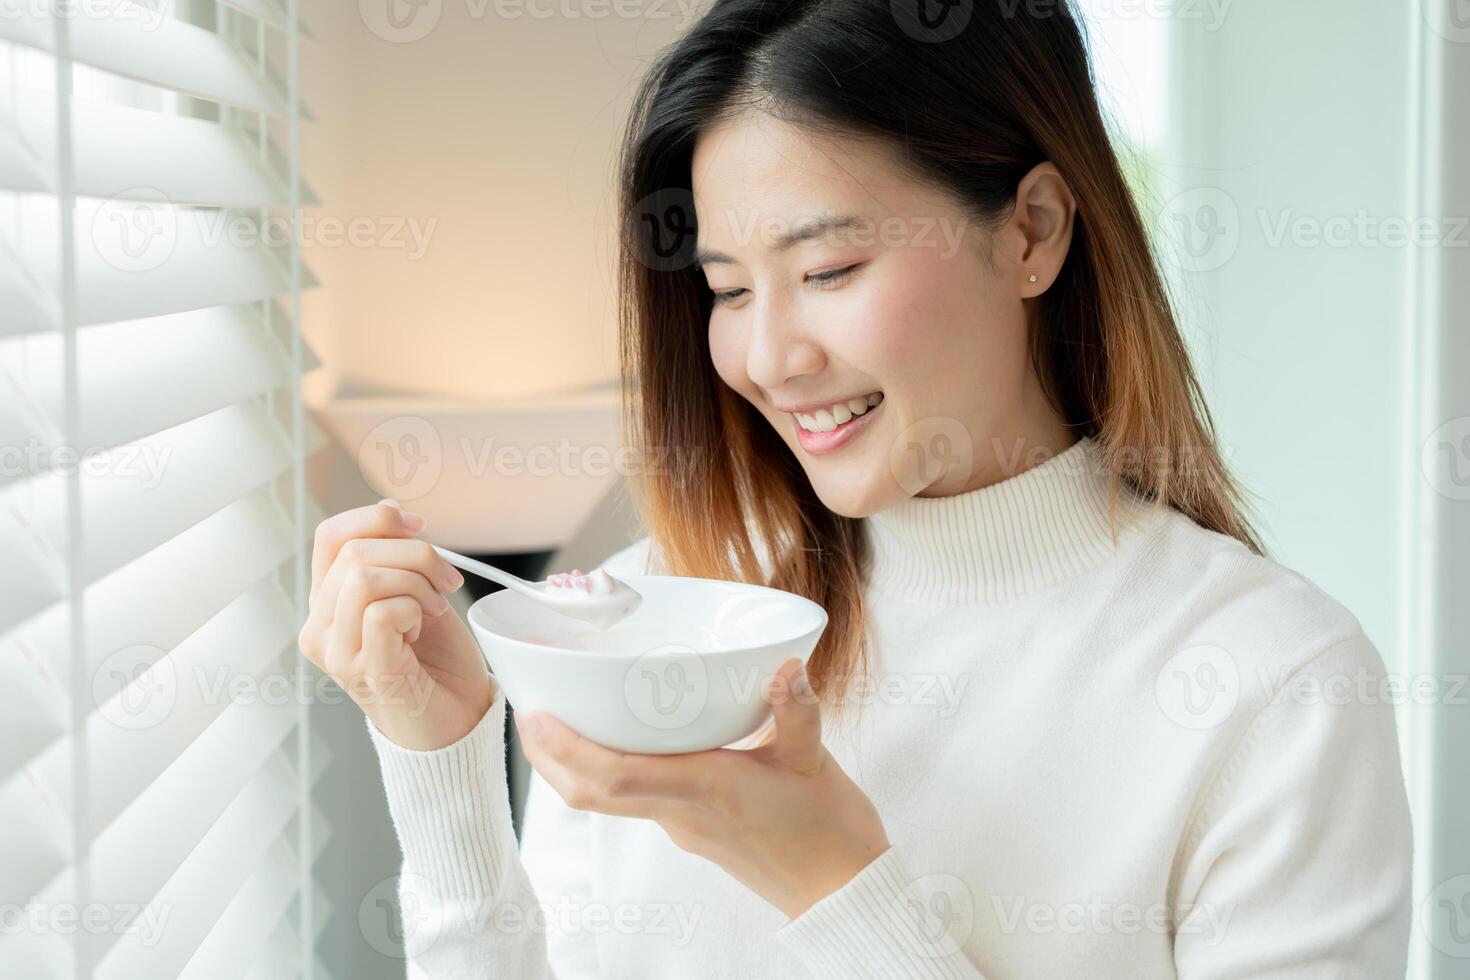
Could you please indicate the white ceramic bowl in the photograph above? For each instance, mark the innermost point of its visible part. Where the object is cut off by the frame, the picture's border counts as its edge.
(683, 673)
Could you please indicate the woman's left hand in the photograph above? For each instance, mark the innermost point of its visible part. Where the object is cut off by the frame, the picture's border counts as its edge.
(782, 818)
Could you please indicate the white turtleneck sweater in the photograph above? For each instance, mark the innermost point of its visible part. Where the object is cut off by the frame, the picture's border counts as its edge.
(1152, 758)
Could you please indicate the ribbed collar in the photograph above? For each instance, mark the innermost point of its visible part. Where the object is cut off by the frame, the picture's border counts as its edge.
(1027, 532)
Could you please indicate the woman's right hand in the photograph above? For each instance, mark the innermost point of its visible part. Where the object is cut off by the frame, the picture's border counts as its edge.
(381, 627)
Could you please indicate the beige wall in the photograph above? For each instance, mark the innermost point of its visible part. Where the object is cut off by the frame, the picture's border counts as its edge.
(493, 133)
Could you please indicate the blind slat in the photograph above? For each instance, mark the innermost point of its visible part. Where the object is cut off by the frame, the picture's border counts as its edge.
(137, 260)
(152, 489)
(122, 612)
(249, 920)
(149, 723)
(156, 821)
(215, 357)
(176, 702)
(199, 891)
(133, 41)
(23, 308)
(140, 155)
(137, 773)
(20, 170)
(255, 914)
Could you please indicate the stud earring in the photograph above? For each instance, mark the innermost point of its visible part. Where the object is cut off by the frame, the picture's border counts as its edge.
(1031, 278)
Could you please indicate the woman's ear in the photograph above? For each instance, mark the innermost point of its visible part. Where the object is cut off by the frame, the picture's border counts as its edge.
(1041, 228)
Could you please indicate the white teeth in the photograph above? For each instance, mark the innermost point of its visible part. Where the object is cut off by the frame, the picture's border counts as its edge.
(827, 419)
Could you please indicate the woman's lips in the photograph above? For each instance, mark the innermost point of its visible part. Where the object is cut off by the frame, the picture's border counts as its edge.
(821, 443)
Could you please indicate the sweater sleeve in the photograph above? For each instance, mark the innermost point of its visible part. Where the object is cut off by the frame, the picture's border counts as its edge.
(1298, 862)
(468, 909)
(886, 924)
(472, 907)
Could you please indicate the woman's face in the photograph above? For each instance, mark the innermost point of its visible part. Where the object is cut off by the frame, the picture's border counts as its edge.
(888, 351)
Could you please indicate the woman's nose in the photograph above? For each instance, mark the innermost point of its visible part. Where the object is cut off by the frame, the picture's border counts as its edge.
(779, 349)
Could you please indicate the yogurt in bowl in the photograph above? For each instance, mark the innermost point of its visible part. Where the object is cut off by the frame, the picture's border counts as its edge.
(683, 673)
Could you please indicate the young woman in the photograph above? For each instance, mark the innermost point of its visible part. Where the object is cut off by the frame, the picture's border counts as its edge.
(893, 327)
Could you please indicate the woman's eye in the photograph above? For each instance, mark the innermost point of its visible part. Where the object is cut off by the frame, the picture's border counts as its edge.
(828, 278)
(832, 275)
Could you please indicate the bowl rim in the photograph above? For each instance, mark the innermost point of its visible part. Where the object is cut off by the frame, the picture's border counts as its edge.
(473, 618)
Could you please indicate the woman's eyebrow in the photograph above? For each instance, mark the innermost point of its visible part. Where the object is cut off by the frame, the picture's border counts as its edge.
(805, 231)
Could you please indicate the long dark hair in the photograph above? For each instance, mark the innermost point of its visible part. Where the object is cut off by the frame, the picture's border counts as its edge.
(970, 103)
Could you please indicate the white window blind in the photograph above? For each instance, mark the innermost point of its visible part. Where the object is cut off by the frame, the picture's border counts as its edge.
(156, 757)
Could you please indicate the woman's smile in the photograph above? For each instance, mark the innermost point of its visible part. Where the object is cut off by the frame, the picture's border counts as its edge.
(829, 429)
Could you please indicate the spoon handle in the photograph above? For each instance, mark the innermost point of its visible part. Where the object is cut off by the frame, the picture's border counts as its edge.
(483, 570)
